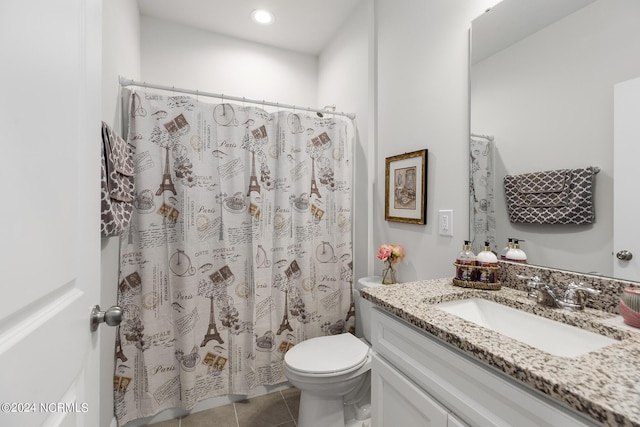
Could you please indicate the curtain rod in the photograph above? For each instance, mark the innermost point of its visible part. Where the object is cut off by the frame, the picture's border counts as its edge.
(128, 82)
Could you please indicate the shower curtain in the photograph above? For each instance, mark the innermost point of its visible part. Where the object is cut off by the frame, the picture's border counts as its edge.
(239, 248)
(481, 193)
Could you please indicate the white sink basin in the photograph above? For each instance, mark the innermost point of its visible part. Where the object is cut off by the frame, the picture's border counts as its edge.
(544, 334)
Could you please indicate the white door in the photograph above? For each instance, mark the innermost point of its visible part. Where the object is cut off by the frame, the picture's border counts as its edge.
(626, 197)
(50, 53)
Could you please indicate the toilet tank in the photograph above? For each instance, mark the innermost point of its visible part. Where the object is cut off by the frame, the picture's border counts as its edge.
(364, 307)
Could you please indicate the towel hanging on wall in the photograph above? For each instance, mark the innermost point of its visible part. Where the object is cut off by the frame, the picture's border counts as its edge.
(563, 196)
(117, 183)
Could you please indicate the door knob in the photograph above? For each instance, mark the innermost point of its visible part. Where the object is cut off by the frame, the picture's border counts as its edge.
(624, 255)
(112, 317)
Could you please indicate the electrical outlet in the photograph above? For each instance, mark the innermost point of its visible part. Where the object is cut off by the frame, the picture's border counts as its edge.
(445, 222)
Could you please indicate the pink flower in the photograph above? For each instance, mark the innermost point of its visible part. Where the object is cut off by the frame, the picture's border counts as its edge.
(390, 253)
(384, 252)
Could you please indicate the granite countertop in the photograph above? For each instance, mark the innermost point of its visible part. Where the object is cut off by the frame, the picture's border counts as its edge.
(603, 384)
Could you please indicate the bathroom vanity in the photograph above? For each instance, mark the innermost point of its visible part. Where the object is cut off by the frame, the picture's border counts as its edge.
(433, 368)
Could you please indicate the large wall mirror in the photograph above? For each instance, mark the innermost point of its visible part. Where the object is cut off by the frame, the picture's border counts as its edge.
(542, 82)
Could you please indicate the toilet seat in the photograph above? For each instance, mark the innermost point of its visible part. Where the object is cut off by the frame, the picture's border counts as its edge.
(327, 356)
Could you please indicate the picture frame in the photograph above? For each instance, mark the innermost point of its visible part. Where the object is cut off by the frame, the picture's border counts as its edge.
(405, 188)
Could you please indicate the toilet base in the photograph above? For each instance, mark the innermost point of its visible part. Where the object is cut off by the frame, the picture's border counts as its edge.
(320, 411)
(357, 416)
(358, 423)
(323, 411)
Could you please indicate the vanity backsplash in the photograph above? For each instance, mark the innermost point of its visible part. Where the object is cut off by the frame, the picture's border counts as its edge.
(610, 288)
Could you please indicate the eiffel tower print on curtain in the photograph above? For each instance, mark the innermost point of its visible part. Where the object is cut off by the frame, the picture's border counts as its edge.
(167, 183)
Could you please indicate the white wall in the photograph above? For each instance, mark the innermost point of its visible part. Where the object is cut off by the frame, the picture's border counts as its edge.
(422, 102)
(548, 100)
(343, 80)
(180, 56)
(120, 56)
(120, 52)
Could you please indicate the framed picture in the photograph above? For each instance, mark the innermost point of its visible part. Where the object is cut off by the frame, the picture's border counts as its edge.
(405, 188)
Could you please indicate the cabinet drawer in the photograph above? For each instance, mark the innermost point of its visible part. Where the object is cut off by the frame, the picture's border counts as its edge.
(476, 393)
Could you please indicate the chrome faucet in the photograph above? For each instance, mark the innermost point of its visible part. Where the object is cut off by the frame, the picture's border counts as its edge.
(541, 293)
(574, 298)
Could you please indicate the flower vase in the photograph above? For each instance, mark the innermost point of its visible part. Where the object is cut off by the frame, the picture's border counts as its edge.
(388, 275)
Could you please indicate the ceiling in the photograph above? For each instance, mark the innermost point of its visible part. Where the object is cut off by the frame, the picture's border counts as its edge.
(510, 21)
(304, 26)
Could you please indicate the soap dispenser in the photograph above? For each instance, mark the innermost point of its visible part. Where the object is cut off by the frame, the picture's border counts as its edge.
(503, 253)
(515, 254)
(465, 263)
(489, 261)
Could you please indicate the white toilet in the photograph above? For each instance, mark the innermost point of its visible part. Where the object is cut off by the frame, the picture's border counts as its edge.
(333, 372)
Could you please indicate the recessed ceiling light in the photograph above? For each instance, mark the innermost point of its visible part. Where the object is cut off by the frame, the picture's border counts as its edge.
(262, 16)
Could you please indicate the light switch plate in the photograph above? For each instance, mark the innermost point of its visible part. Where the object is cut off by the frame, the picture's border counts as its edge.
(445, 222)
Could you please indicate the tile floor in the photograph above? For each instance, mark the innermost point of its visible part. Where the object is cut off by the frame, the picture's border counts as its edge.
(277, 409)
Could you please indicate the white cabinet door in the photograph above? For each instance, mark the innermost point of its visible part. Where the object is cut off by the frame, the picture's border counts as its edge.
(50, 236)
(396, 401)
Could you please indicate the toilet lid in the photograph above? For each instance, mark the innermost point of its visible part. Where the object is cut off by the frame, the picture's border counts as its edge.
(328, 354)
